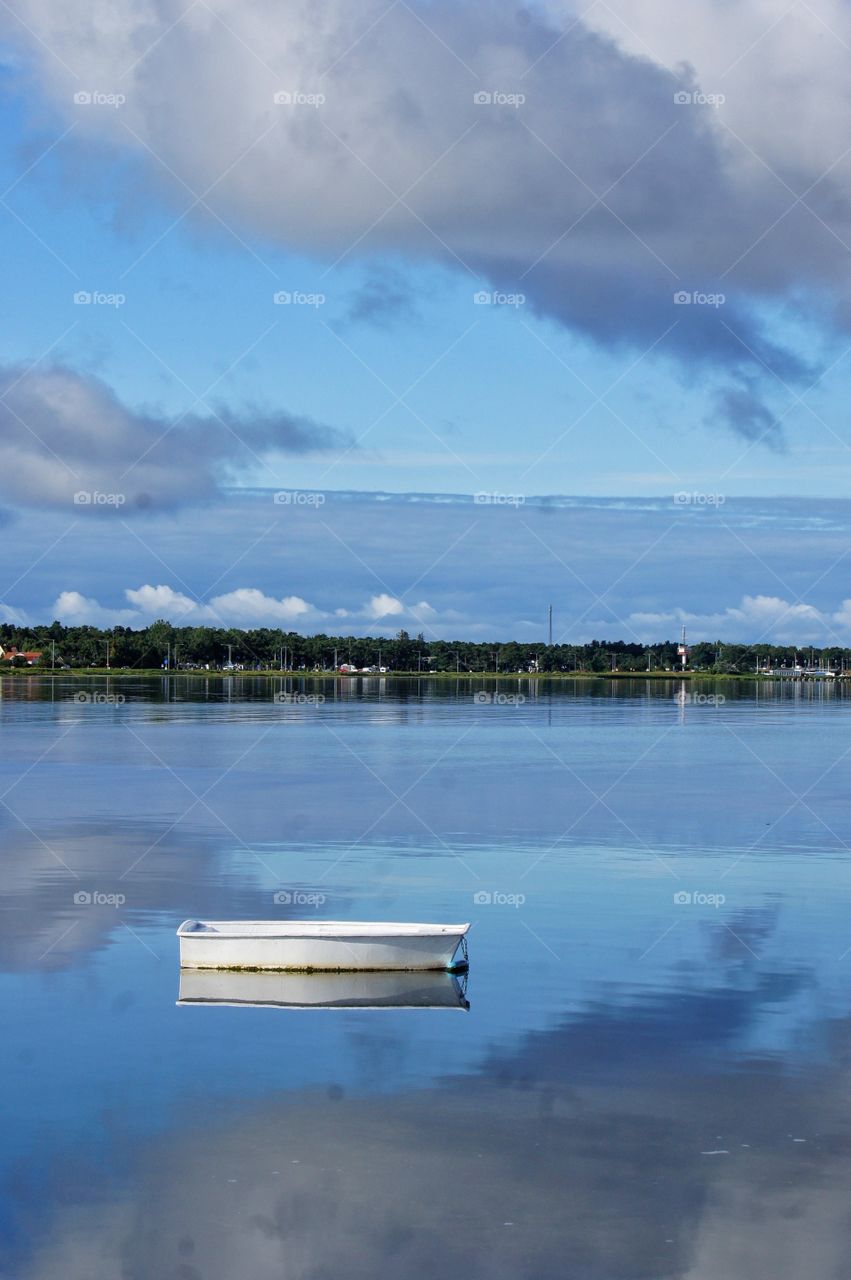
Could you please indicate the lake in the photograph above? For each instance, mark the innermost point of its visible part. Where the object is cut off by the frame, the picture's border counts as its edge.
(650, 1081)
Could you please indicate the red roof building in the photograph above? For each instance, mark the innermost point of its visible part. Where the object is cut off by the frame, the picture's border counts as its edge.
(30, 655)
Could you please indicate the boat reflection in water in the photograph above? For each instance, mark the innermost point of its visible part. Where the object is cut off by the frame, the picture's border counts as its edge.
(388, 990)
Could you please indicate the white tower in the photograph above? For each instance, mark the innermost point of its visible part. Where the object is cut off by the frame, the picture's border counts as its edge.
(683, 649)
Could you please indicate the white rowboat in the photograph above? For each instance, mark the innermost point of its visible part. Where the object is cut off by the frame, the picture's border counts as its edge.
(322, 990)
(309, 946)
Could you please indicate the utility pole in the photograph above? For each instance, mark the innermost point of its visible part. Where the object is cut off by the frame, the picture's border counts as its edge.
(550, 624)
(230, 656)
(107, 655)
(53, 655)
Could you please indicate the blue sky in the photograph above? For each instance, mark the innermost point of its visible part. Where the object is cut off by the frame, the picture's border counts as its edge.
(183, 204)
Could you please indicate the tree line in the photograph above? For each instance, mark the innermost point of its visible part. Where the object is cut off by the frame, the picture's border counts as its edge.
(162, 645)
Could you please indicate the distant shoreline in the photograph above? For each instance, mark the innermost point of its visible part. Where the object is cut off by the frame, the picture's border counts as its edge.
(468, 677)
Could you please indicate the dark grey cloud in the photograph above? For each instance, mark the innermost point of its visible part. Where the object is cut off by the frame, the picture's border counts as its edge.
(599, 194)
(70, 442)
(384, 299)
(742, 408)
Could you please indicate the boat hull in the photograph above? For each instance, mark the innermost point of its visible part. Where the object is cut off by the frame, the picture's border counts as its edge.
(314, 947)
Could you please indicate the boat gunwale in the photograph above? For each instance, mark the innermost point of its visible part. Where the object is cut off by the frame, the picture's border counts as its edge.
(454, 966)
(317, 930)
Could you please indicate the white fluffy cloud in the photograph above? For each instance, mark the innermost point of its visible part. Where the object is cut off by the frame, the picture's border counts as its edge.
(385, 606)
(755, 619)
(77, 610)
(243, 607)
(161, 602)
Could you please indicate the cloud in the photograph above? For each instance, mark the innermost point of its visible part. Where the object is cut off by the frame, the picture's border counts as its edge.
(745, 412)
(14, 617)
(262, 609)
(246, 606)
(756, 619)
(599, 195)
(383, 300)
(385, 606)
(644, 558)
(161, 602)
(381, 607)
(69, 442)
(842, 616)
(782, 72)
(76, 610)
(242, 607)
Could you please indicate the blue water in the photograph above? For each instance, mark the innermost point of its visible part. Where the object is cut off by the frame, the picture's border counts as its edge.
(651, 1079)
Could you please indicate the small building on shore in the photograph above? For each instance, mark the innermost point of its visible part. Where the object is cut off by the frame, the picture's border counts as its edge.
(30, 656)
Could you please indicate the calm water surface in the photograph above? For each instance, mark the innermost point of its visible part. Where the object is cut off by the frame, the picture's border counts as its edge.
(652, 1078)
